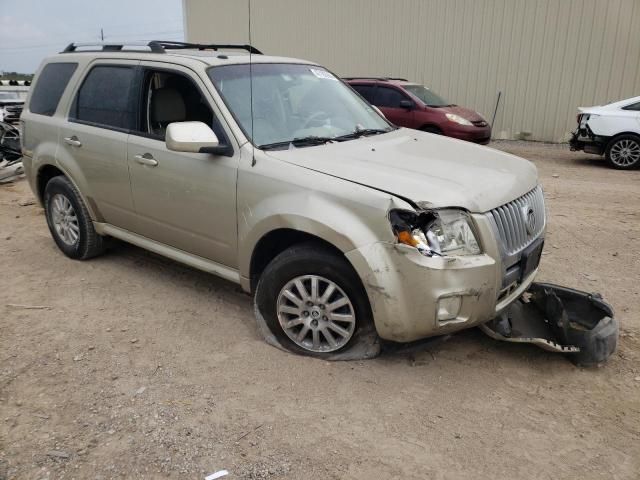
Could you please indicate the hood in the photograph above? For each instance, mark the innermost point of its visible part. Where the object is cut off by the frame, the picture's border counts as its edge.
(422, 167)
(467, 113)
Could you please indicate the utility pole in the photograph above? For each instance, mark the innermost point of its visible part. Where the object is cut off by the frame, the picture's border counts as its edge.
(101, 35)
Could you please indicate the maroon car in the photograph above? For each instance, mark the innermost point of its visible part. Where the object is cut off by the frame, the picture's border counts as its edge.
(412, 105)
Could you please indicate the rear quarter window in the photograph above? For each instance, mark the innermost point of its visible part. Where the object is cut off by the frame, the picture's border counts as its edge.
(49, 87)
(106, 97)
(633, 106)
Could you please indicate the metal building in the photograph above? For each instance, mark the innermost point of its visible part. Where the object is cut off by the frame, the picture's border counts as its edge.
(547, 57)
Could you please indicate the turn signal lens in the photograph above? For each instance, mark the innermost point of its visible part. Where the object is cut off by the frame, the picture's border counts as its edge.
(408, 239)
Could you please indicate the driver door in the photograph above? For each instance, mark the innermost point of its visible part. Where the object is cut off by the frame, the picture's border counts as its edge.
(388, 100)
(184, 200)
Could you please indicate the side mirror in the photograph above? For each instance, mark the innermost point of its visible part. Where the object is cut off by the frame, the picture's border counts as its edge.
(192, 137)
(408, 104)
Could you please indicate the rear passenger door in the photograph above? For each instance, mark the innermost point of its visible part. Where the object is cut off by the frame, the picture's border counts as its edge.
(93, 139)
(388, 100)
(184, 200)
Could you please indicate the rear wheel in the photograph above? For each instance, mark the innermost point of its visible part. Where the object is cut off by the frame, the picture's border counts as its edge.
(313, 302)
(623, 152)
(69, 220)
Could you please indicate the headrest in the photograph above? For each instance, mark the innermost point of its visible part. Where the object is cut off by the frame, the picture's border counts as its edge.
(167, 105)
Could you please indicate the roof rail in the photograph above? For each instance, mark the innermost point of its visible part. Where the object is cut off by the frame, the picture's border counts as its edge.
(376, 78)
(161, 46)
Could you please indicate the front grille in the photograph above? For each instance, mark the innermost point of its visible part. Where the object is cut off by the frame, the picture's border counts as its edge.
(480, 123)
(521, 221)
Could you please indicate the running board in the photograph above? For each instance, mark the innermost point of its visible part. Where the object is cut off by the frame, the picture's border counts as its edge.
(178, 255)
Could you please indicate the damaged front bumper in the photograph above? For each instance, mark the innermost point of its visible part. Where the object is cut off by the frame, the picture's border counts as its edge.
(413, 296)
(559, 319)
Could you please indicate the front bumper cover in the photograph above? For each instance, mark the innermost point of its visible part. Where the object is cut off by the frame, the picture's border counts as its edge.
(560, 319)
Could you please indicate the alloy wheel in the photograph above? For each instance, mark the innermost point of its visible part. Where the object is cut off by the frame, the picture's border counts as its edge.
(316, 314)
(64, 219)
(625, 153)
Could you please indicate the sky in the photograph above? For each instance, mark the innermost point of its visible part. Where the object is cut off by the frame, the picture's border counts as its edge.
(32, 29)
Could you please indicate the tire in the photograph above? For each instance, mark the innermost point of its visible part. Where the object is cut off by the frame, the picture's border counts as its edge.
(623, 152)
(69, 220)
(308, 263)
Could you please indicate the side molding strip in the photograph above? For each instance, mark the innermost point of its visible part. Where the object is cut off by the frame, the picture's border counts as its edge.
(170, 252)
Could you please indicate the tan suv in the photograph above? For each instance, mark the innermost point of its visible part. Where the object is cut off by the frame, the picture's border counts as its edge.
(273, 173)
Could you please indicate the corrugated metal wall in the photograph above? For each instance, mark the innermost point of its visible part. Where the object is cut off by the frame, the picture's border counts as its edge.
(547, 57)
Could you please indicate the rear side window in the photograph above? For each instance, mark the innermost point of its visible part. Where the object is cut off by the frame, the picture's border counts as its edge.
(49, 88)
(388, 97)
(366, 91)
(633, 106)
(106, 98)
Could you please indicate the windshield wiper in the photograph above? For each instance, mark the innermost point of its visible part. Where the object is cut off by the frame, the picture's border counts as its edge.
(365, 132)
(297, 142)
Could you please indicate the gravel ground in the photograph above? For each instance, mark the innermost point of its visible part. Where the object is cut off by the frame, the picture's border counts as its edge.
(135, 366)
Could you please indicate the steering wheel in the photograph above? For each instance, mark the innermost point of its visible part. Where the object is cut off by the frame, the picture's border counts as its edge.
(314, 118)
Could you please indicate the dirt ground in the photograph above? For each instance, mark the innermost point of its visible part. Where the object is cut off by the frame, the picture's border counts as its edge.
(139, 367)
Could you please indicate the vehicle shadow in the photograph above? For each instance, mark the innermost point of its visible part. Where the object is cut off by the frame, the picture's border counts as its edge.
(468, 346)
(592, 161)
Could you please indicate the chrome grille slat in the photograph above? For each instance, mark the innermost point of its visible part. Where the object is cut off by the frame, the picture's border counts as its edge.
(511, 224)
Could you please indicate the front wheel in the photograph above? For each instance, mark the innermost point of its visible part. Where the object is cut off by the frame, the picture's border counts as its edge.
(623, 152)
(313, 303)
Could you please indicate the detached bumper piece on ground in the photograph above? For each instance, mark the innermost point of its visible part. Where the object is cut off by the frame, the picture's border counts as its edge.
(560, 319)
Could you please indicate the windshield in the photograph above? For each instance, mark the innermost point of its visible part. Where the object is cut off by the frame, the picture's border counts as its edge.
(292, 102)
(427, 96)
(9, 96)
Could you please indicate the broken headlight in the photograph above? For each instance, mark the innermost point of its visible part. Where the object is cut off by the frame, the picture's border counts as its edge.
(436, 232)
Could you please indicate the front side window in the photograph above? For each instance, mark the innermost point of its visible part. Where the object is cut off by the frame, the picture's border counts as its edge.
(293, 101)
(428, 97)
(49, 87)
(172, 97)
(389, 97)
(105, 98)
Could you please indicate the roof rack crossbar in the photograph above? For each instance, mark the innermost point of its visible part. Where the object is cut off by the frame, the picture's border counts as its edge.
(161, 46)
(111, 47)
(376, 78)
(171, 45)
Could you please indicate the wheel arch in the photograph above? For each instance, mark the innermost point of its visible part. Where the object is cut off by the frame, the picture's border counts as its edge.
(276, 241)
(47, 171)
(618, 135)
(433, 126)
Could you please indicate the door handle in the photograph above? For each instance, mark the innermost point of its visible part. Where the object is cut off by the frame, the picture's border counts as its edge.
(73, 141)
(146, 159)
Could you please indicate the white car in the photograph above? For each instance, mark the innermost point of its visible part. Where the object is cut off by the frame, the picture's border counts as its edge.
(612, 130)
